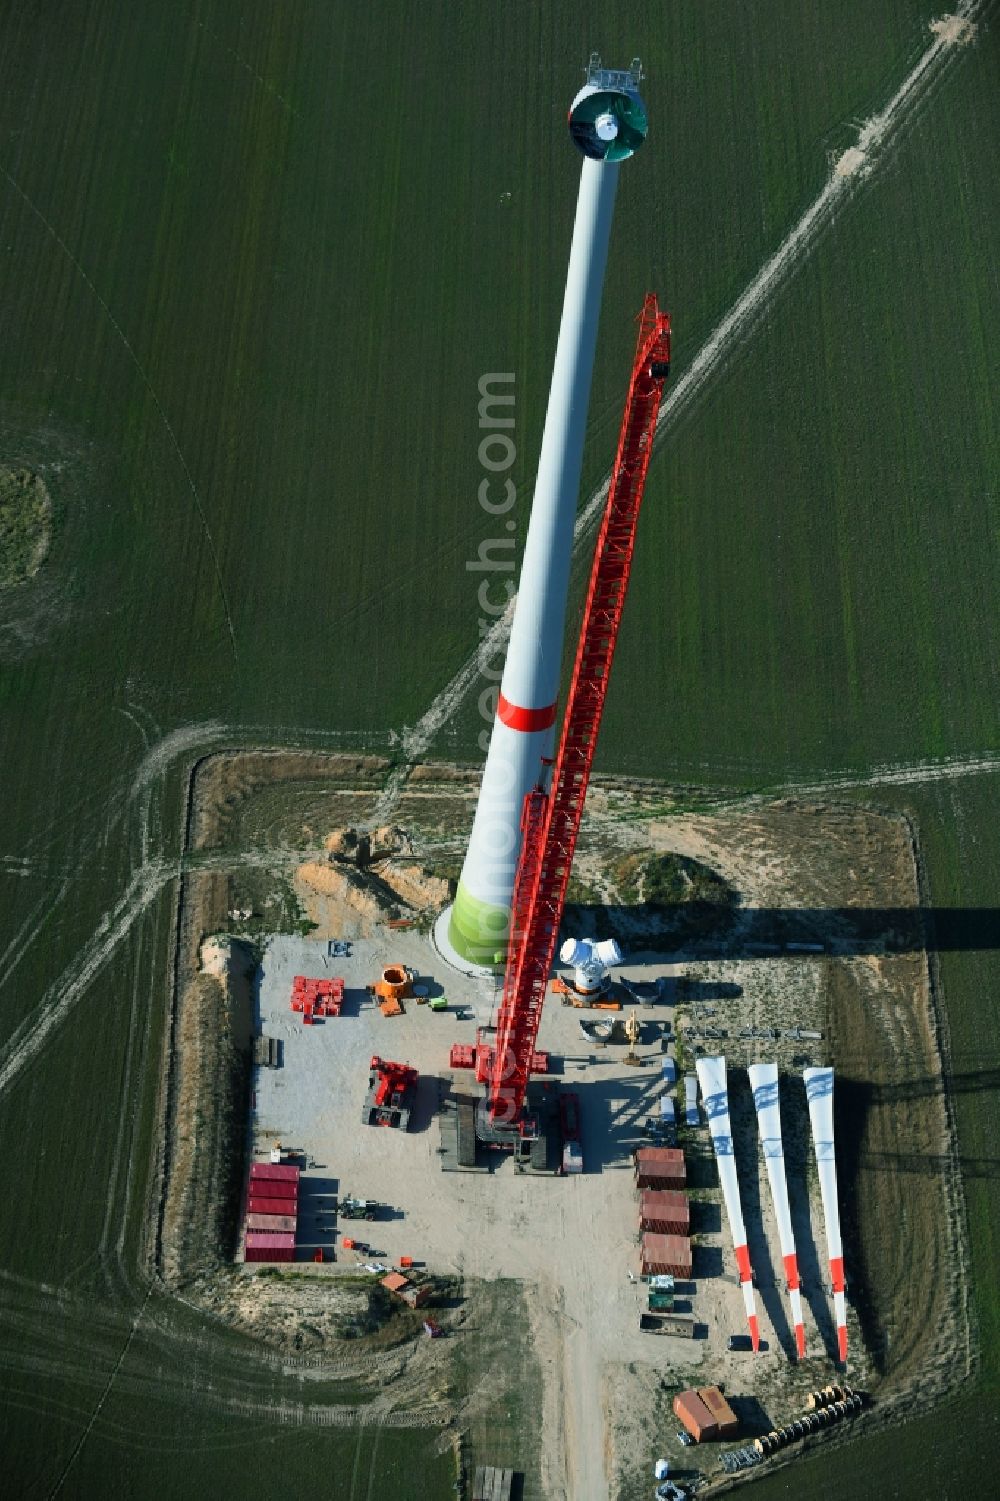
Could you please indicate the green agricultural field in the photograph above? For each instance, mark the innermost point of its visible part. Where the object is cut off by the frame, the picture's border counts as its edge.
(254, 261)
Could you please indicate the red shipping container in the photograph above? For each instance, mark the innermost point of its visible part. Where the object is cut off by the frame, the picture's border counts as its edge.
(263, 1247)
(659, 1154)
(660, 1167)
(665, 1211)
(275, 1223)
(666, 1253)
(695, 1416)
(726, 1420)
(270, 1188)
(256, 1204)
(282, 1170)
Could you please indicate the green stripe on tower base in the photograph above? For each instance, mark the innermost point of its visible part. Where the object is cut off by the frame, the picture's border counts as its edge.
(478, 930)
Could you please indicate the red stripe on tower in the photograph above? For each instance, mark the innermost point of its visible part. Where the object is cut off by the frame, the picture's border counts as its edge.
(527, 720)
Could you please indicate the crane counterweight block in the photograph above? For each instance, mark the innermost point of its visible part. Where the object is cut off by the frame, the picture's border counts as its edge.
(550, 820)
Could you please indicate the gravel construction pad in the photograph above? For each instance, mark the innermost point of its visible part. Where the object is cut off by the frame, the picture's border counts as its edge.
(576, 1237)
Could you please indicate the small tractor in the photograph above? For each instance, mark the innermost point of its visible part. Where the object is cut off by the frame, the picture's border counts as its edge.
(351, 1208)
(391, 1090)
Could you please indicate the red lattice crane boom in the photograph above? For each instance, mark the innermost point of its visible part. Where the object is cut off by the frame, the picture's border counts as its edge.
(550, 821)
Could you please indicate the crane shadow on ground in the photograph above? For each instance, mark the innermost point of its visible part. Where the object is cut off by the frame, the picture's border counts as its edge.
(699, 930)
(614, 1114)
(752, 1416)
(317, 1222)
(425, 1104)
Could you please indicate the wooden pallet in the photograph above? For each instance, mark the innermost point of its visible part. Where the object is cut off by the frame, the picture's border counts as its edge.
(466, 1131)
(492, 1484)
(265, 1051)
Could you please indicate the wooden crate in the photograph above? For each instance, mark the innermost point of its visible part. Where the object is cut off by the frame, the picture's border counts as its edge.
(492, 1484)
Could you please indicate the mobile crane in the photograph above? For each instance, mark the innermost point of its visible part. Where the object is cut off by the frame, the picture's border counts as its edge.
(550, 819)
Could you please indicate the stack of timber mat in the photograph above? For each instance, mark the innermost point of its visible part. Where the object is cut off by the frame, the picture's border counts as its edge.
(492, 1484)
(265, 1052)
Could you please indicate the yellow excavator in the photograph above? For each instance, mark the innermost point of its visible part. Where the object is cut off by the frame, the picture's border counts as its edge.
(632, 1030)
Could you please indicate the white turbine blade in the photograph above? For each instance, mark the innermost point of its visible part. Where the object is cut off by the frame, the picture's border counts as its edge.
(764, 1083)
(751, 1312)
(819, 1093)
(840, 1315)
(715, 1098)
(795, 1298)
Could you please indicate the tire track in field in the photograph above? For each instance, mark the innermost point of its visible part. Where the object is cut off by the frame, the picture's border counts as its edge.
(78, 1449)
(121, 1173)
(895, 776)
(28, 931)
(857, 163)
(259, 78)
(61, 1331)
(68, 990)
(30, 1037)
(51, 230)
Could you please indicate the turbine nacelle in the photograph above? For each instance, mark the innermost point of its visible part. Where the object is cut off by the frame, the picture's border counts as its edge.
(607, 119)
(591, 961)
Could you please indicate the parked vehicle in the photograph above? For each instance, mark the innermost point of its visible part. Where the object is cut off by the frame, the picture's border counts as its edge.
(351, 1208)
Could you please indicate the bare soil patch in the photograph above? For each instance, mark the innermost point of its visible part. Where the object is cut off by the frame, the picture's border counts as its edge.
(231, 801)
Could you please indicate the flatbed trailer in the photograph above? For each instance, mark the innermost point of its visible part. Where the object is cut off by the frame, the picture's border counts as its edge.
(677, 1324)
